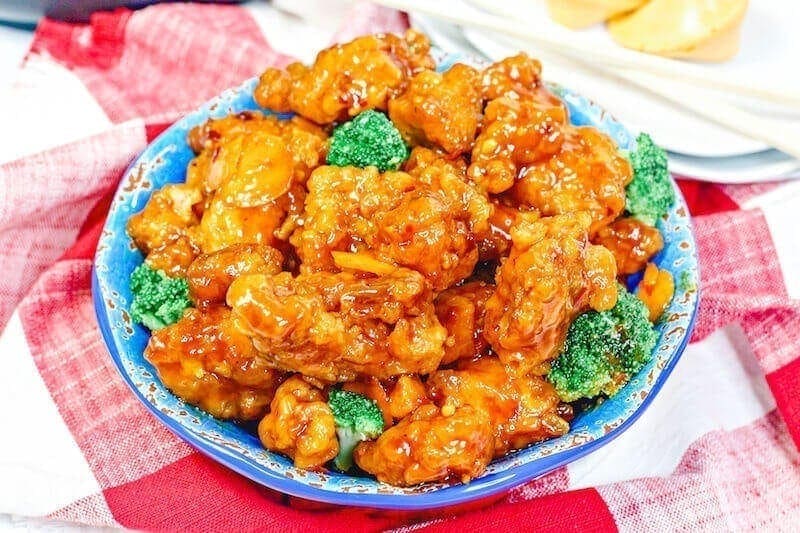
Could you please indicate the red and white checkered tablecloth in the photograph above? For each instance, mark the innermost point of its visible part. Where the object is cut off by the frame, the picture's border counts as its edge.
(717, 450)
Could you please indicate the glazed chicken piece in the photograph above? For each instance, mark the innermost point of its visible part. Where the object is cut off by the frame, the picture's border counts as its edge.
(586, 174)
(517, 77)
(440, 110)
(245, 186)
(523, 410)
(346, 79)
(162, 229)
(522, 124)
(165, 217)
(210, 275)
(175, 257)
(225, 225)
(206, 360)
(338, 327)
(632, 242)
(251, 169)
(425, 220)
(300, 424)
(430, 445)
(552, 274)
(461, 311)
(219, 143)
(516, 133)
(250, 177)
(495, 243)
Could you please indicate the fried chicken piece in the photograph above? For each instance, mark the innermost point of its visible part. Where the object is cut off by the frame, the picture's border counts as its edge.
(207, 361)
(406, 395)
(165, 217)
(346, 79)
(251, 169)
(587, 174)
(426, 161)
(495, 243)
(162, 229)
(429, 445)
(516, 133)
(225, 225)
(523, 409)
(300, 424)
(210, 275)
(338, 327)
(461, 311)
(174, 257)
(551, 275)
(632, 242)
(425, 220)
(517, 77)
(304, 141)
(440, 109)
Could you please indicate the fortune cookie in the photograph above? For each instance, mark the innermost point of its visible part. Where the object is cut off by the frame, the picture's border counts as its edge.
(582, 13)
(703, 30)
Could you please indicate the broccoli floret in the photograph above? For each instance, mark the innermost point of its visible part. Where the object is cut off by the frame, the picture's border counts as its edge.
(357, 418)
(604, 349)
(650, 193)
(158, 300)
(370, 139)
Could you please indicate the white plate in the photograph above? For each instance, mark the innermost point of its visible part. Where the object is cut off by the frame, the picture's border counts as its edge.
(763, 166)
(769, 44)
(759, 166)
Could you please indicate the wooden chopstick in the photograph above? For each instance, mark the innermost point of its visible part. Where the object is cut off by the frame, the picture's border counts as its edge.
(573, 44)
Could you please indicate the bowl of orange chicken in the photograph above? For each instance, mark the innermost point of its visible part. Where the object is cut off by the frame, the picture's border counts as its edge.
(418, 230)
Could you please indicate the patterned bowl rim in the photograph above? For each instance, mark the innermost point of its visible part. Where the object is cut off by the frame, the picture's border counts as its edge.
(483, 487)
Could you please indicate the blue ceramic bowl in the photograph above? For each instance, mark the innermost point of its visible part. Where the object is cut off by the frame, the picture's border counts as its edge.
(164, 161)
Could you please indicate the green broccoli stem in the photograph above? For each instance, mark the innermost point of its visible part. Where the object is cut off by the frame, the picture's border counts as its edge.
(348, 440)
(151, 321)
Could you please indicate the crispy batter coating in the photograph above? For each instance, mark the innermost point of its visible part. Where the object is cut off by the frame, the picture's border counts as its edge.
(337, 327)
(516, 134)
(348, 78)
(523, 409)
(551, 275)
(495, 243)
(632, 242)
(225, 225)
(422, 161)
(302, 140)
(245, 186)
(461, 311)
(205, 359)
(165, 217)
(300, 424)
(425, 220)
(162, 230)
(174, 257)
(587, 174)
(430, 446)
(210, 275)
(251, 169)
(440, 110)
(517, 77)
